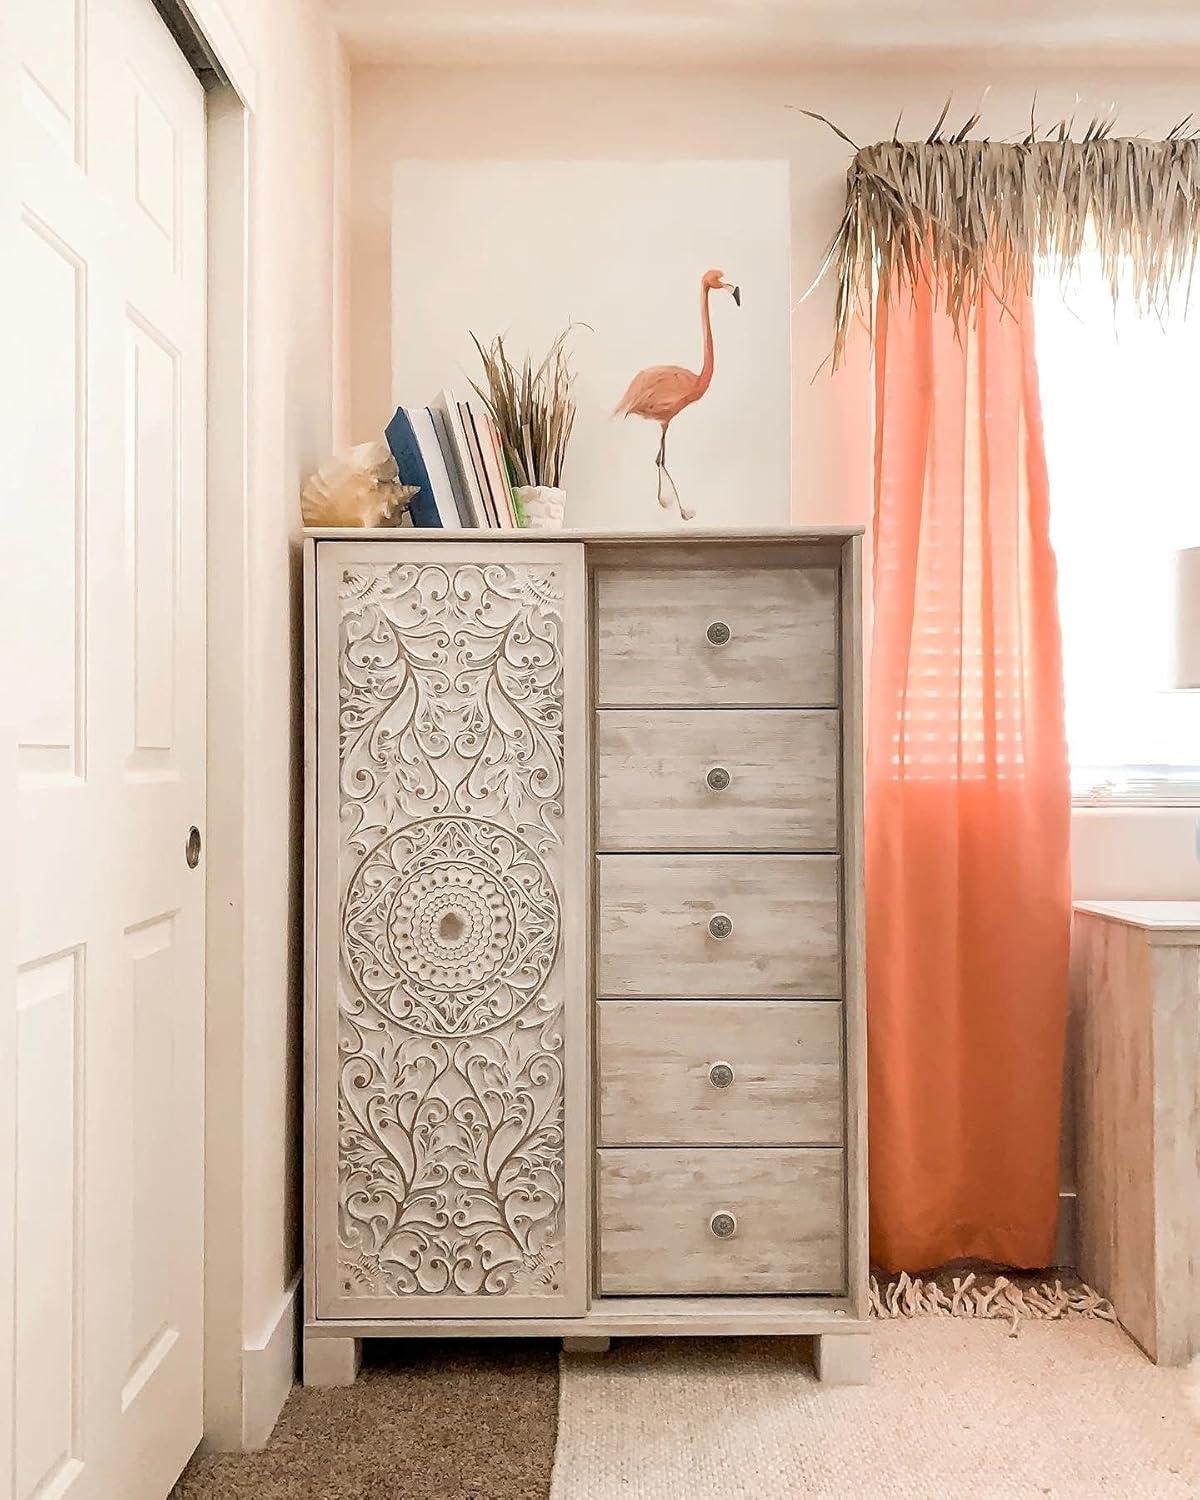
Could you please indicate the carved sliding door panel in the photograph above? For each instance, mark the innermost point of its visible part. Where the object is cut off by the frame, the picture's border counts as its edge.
(450, 1093)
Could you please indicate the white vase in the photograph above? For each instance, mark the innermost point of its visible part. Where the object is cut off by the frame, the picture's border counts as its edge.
(542, 505)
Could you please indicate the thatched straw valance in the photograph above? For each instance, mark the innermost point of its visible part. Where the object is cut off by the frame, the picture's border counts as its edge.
(974, 213)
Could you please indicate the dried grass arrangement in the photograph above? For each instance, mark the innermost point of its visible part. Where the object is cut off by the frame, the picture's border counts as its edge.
(981, 213)
(533, 409)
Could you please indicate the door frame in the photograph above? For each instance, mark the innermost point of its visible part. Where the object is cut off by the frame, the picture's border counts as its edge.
(205, 34)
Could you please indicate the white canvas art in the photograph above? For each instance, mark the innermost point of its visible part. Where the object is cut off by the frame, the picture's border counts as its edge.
(523, 248)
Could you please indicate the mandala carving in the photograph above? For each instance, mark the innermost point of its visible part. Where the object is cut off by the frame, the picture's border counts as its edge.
(450, 1070)
(451, 926)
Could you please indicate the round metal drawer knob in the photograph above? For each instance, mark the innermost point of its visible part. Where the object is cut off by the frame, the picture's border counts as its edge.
(720, 1075)
(718, 779)
(723, 1225)
(720, 926)
(718, 633)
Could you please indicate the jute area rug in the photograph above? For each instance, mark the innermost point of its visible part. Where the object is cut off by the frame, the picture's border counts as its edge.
(958, 1408)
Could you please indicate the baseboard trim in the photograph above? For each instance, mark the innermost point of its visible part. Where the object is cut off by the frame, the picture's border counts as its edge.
(269, 1370)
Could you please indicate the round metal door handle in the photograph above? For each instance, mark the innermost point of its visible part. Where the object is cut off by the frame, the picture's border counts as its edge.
(191, 850)
(720, 926)
(723, 1225)
(718, 779)
(720, 1075)
(718, 633)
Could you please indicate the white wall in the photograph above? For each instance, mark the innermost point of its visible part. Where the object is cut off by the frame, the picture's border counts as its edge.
(634, 300)
(286, 58)
(560, 114)
(293, 394)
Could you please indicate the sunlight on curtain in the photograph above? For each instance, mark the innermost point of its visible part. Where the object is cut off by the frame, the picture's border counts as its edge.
(1121, 414)
(967, 808)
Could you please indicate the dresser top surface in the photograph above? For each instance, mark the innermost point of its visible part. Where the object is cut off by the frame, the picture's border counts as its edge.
(672, 535)
(1152, 916)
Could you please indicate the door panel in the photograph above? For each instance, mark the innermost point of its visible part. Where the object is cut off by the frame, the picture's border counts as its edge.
(49, 1194)
(51, 52)
(52, 579)
(101, 1165)
(152, 448)
(151, 953)
(451, 1003)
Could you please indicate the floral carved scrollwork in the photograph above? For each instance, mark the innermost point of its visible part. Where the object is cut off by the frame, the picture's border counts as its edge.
(450, 1073)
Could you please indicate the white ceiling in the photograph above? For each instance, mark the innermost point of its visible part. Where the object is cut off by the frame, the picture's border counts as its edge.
(741, 32)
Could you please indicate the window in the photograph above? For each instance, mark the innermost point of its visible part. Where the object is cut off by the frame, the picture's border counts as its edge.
(1121, 409)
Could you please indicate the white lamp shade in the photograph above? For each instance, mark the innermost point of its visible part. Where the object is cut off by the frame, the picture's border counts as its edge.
(1187, 619)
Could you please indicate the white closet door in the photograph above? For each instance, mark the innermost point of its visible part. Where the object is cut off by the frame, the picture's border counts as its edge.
(101, 1147)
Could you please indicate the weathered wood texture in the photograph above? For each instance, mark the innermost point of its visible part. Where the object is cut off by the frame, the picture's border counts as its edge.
(330, 1362)
(655, 629)
(698, 1221)
(628, 1317)
(1136, 1002)
(586, 1343)
(854, 949)
(720, 1073)
(842, 1358)
(723, 925)
(677, 542)
(738, 779)
(656, 939)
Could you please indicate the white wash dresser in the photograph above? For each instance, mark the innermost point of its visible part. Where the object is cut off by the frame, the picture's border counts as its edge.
(584, 1022)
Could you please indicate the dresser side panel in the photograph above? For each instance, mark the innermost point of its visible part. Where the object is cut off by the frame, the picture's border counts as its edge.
(1114, 1118)
(1175, 981)
(854, 962)
(309, 1249)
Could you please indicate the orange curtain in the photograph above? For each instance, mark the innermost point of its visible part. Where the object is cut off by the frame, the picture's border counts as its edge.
(967, 804)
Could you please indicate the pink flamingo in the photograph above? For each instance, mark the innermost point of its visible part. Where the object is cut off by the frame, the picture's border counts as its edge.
(661, 392)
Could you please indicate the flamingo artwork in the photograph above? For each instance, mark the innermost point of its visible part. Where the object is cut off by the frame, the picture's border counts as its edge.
(661, 392)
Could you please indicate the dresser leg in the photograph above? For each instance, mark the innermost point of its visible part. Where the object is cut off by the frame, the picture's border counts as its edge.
(331, 1361)
(843, 1358)
(585, 1343)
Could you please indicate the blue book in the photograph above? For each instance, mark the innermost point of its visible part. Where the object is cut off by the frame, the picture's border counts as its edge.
(402, 440)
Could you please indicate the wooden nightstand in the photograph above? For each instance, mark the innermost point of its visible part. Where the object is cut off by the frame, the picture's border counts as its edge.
(1135, 979)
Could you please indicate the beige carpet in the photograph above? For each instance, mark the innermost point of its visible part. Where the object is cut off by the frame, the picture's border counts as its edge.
(1067, 1409)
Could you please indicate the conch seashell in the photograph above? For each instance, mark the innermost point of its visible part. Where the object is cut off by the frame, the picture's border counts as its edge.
(357, 488)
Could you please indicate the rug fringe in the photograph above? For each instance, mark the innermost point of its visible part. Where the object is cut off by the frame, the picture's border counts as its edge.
(969, 1296)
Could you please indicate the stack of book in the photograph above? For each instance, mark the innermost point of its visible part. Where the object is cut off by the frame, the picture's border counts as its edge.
(451, 451)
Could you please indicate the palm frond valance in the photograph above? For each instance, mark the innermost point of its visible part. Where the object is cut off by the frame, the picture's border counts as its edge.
(972, 213)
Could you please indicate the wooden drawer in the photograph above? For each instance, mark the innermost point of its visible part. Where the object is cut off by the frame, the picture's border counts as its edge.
(720, 1073)
(653, 637)
(659, 1216)
(713, 779)
(659, 914)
